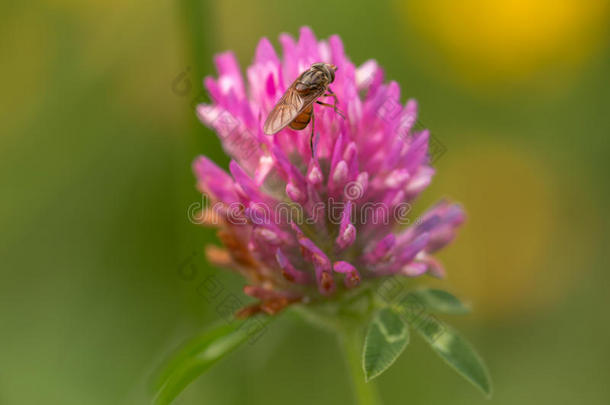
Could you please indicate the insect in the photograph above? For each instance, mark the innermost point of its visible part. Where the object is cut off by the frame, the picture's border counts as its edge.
(295, 108)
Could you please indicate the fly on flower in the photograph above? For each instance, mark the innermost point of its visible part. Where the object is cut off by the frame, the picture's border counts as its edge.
(346, 232)
(295, 108)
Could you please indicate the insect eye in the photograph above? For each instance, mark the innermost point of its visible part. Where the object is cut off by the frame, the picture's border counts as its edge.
(330, 70)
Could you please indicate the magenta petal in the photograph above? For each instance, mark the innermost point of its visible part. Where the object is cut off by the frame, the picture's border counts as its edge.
(369, 76)
(322, 266)
(419, 182)
(414, 269)
(397, 178)
(214, 180)
(290, 66)
(284, 208)
(441, 222)
(268, 235)
(290, 272)
(407, 119)
(247, 185)
(339, 175)
(230, 75)
(435, 267)
(402, 255)
(296, 194)
(347, 231)
(308, 45)
(343, 267)
(357, 189)
(352, 277)
(265, 53)
(316, 255)
(418, 151)
(381, 249)
(413, 248)
(314, 173)
(337, 52)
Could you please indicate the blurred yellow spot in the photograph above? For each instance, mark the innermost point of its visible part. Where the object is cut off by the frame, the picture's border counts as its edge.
(511, 40)
(500, 258)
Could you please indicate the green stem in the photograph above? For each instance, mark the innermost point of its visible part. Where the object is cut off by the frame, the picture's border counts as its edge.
(346, 322)
(198, 33)
(197, 29)
(351, 341)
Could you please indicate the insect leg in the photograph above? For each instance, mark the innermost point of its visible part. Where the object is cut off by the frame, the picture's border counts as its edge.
(313, 125)
(332, 94)
(334, 107)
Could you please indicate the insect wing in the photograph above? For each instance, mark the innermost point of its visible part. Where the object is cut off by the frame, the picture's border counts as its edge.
(288, 108)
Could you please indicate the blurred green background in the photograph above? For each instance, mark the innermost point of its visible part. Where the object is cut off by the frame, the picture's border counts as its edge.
(95, 151)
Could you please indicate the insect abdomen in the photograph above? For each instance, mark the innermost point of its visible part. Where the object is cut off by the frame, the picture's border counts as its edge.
(302, 119)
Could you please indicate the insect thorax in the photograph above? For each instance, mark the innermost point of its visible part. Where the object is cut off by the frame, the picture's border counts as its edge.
(311, 79)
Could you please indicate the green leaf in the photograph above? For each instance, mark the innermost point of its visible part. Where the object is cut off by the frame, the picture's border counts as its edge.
(440, 301)
(456, 351)
(385, 340)
(200, 353)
